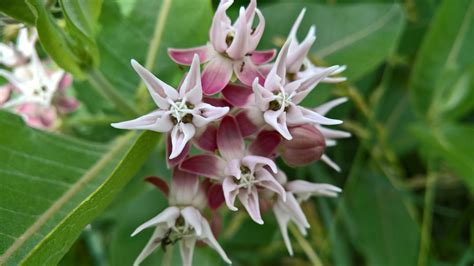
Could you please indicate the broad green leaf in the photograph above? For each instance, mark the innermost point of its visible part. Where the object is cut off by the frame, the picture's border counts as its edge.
(379, 222)
(81, 17)
(360, 36)
(52, 186)
(143, 31)
(17, 9)
(452, 144)
(53, 39)
(447, 45)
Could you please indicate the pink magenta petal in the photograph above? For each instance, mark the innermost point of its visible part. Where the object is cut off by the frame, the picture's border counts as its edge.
(207, 140)
(66, 104)
(215, 196)
(185, 56)
(216, 75)
(246, 126)
(175, 161)
(237, 94)
(229, 140)
(159, 184)
(65, 82)
(205, 164)
(265, 144)
(246, 71)
(217, 102)
(262, 57)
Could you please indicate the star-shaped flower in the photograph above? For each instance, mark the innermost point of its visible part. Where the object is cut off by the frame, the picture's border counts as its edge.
(179, 112)
(182, 221)
(278, 99)
(231, 49)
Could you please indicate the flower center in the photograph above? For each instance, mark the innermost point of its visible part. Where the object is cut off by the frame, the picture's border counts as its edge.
(176, 233)
(41, 95)
(247, 179)
(281, 99)
(181, 112)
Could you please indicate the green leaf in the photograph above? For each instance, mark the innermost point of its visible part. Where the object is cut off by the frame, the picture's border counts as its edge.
(53, 186)
(81, 17)
(447, 46)
(451, 143)
(379, 221)
(360, 36)
(17, 9)
(53, 39)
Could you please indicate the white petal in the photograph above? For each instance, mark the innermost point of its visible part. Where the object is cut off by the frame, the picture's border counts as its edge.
(326, 107)
(193, 217)
(208, 238)
(191, 88)
(204, 114)
(157, 121)
(152, 244)
(168, 216)
(230, 189)
(330, 162)
(277, 119)
(283, 219)
(186, 247)
(180, 135)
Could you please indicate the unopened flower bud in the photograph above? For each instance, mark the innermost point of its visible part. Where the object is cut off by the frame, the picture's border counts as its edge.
(306, 146)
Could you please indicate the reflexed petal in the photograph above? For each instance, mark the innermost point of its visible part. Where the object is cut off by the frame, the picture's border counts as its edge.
(193, 218)
(237, 94)
(216, 75)
(265, 144)
(168, 217)
(220, 27)
(230, 190)
(301, 187)
(296, 25)
(326, 107)
(238, 47)
(207, 140)
(159, 184)
(297, 55)
(267, 181)
(251, 161)
(185, 56)
(278, 70)
(190, 88)
(232, 168)
(205, 164)
(330, 162)
(283, 219)
(152, 244)
(204, 114)
(262, 96)
(184, 188)
(215, 196)
(251, 204)
(334, 134)
(277, 119)
(295, 211)
(308, 84)
(66, 104)
(217, 102)
(298, 115)
(210, 240)
(262, 57)
(158, 90)
(229, 140)
(180, 135)
(246, 126)
(156, 121)
(247, 72)
(250, 10)
(257, 33)
(65, 82)
(186, 248)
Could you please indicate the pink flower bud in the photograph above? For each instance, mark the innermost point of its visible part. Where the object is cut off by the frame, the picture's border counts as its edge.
(306, 146)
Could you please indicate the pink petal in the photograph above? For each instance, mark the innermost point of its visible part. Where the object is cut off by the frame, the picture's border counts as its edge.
(308, 84)
(5, 92)
(298, 53)
(185, 56)
(229, 140)
(175, 161)
(216, 75)
(251, 204)
(283, 218)
(305, 187)
(205, 164)
(217, 102)
(265, 144)
(180, 136)
(250, 10)
(184, 188)
(230, 190)
(204, 114)
(267, 181)
(301, 157)
(257, 33)
(334, 134)
(193, 218)
(278, 71)
(304, 137)
(294, 208)
(247, 72)
(156, 121)
(246, 126)
(238, 47)
(65, 82)
(220, 27)
(190, 89)
(251, 161)
(207, 140)
(215, 196)
(296, 25)
(158, 183)
(237, 94)
(262, 57)
(313, 117)
(277, 120)
(66, 104)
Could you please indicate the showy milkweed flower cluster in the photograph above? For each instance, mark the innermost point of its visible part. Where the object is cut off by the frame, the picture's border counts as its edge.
(35, 90)
(241, 112)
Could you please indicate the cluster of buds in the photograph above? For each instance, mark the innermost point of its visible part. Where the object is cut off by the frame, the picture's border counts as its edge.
(242, 113)
(35, 90)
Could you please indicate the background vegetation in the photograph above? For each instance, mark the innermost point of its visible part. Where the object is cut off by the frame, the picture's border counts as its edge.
(407, 172)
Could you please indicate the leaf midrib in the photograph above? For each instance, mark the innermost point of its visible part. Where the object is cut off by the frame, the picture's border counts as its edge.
(64, 199)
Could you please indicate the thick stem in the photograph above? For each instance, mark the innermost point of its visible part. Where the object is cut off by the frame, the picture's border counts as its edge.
(103, 86)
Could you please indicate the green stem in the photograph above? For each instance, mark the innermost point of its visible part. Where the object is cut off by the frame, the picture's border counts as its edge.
(168, 256)
(306, 246)
(103, 86)
(425, 241)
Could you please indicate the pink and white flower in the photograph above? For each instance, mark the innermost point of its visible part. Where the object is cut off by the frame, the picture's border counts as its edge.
(278, 99)
(179, 112)
(298, 65)
(243, 174)
(331, 135)
(288, 209)
(12, 55)
(231, 49)
(182, 221)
